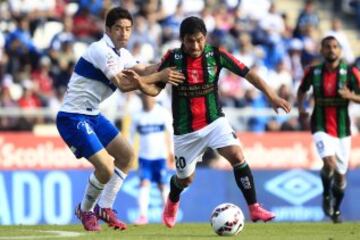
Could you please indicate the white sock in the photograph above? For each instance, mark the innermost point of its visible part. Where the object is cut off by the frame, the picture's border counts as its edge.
(164, 194)
(111, 189)
(92, 193)
(143, 200)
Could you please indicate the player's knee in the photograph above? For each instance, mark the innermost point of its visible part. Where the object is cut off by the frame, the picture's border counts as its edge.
(340, 181)
(105, 171)
(185, 182)
(329, 164)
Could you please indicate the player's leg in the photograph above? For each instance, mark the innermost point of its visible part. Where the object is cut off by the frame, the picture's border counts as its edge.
(145, 175)
(119, 148)
(326, 150)
(188, 150)
(245, 181)
(224, 139)
(339, 184)
(160, 177)
(77, 130)
(327, 176)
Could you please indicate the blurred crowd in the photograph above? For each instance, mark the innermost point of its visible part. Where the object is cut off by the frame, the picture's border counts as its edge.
(40, 41)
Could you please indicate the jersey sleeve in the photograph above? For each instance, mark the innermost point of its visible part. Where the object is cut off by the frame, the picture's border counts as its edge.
(166, 60)
(355, 80)
(228, 61)
(306, 81)
(130, 60)
(105, 59)
(164, 63)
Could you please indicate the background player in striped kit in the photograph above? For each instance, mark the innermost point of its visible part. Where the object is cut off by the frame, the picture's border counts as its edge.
(198, 118)
(334, 85)
(154, 128)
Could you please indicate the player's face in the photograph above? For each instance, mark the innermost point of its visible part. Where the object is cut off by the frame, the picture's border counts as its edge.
(120, 32)
(331, 50)
(194, 44)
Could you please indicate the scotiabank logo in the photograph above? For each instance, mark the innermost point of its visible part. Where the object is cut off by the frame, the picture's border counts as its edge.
(295, 187)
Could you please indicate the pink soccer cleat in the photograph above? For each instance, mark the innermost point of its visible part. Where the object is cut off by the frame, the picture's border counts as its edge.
(142, 220)
(169, 213)
(108, 215)
(88, 219)
(259, 213)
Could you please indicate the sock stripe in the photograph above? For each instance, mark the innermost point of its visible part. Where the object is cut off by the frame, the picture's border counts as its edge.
(119, 174)
(95, 186)
(240, 165)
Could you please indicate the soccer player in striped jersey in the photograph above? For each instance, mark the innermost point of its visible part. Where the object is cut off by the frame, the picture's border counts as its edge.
(334, 84)
(97, 74)
(154, 127)
(198, 119)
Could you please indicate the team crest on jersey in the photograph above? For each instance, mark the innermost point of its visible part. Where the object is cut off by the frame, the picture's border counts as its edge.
(178, 56)
(317, 71)
(209, 54)
(343, 71)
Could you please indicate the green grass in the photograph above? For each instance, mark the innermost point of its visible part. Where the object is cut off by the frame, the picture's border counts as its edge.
(257, 231)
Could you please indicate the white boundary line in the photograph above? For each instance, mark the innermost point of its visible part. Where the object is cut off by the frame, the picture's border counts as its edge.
(52, 234)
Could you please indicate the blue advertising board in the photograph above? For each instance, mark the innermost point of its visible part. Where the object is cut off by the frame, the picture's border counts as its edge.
(49, 197)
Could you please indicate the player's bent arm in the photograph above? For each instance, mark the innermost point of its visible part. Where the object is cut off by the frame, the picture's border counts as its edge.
(149, 89)
(123, 83)
(300, 97)
(349, 95)
(276, 101)
(144, 69)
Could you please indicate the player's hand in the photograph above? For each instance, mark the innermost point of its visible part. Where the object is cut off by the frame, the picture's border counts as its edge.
(281, 103)
(131, 75)
(173, 76)
(345, 93)
(303, 114)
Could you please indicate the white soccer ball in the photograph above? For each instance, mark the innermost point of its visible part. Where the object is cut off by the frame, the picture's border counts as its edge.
(227, 219)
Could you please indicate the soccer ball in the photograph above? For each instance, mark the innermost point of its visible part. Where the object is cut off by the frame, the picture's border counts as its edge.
(227, 219)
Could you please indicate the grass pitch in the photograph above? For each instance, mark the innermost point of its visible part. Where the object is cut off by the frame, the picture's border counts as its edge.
(182, 231)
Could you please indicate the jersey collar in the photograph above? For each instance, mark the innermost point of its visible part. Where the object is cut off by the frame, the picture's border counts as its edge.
(109, 42)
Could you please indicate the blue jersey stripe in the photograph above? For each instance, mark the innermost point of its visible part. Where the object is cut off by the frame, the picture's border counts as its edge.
(87, 70)
(150, 128)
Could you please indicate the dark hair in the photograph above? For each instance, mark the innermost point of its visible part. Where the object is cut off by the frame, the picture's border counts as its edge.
(115, 14)
(328, 38)
(192, 25)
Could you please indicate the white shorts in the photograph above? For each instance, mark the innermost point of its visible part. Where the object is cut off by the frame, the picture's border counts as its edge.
(190, 147)
(328, 145)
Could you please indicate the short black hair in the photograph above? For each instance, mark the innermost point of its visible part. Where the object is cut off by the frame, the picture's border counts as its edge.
(328, 38)
(115, 14)
(192, 25)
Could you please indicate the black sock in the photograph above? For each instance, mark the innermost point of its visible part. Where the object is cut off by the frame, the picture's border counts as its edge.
(326, 179)
(175, 190)
(245, 181)
(338, 194)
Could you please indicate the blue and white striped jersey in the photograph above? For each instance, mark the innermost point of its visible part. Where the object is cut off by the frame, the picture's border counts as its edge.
(90, 82)
(151, 126)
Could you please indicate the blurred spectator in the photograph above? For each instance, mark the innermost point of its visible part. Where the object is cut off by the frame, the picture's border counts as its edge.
(339, 34)
(85, 26)
(231, 90)
(307, 17)
(6, 101)
(19, 45)
(280, 77)
(42, 81)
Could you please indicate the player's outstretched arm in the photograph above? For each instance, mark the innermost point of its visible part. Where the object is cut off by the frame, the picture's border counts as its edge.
(145, 69)
(276, 101)
(124, 83)
(147, 88)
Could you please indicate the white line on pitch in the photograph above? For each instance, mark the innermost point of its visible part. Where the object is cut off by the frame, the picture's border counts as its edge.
(54, 234)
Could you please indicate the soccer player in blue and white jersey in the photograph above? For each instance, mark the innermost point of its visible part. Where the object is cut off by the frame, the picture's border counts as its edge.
(97, 74)
(154, 126)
